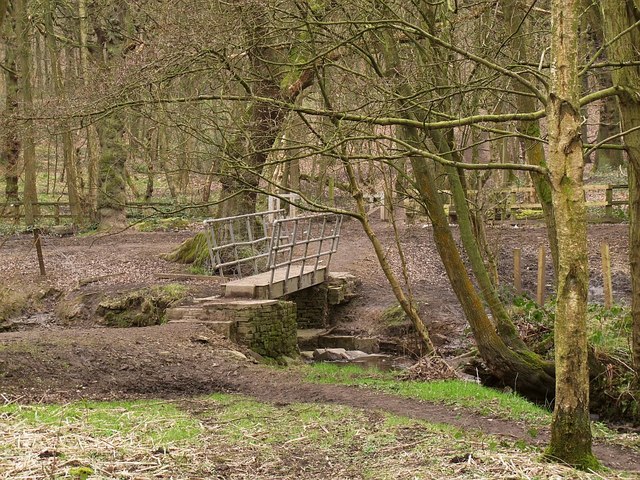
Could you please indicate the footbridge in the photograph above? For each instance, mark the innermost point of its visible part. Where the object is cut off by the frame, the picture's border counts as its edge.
(276, 280)
(267, 256)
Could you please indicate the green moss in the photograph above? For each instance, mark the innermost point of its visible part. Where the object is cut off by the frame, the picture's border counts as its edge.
(586, 462)
(140, 308)
(193, 250)
(162, 224)
(394, 316)
(80, 473)
(528, 214)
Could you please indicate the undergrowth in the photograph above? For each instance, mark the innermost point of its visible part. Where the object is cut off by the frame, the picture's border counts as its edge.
(615, 394)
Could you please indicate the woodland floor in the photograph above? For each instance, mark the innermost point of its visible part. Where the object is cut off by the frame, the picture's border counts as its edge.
(47, 360)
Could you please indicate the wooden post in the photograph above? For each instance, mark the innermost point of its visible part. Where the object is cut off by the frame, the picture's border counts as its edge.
(606, 275)
(511, 203)
(608, 209)
(332, 191)
(541, 276)
(383, 207)
(517, 271)
(56, 213)
(36, 237)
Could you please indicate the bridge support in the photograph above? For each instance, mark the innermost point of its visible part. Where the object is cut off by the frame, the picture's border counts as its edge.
(269, 327)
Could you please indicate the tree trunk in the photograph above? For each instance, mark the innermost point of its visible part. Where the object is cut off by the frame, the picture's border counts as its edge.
(571, 426)
(23, 36)
(609, 124)
(112, 198)
(618, 16)
(249, 152)
(515, 13)
(522, 370)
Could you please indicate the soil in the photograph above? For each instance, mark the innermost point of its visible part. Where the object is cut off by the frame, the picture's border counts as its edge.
(49, 359)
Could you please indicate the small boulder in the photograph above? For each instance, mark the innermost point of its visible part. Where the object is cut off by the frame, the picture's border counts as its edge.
(355, 355)
(330, 354)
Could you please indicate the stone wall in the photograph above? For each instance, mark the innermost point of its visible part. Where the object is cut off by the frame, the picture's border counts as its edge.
(269, 329)
(312, 306)
(314, 303)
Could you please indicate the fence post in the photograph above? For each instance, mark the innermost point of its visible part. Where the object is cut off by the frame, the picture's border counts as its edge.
(56, 213)
(541, 276)
(383, 207)
(36, 237)
(608, 209)
(332, 191)
(517, 272)
(606, 275)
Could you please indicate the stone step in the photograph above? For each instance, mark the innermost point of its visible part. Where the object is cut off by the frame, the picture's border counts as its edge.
(225, 328)
(349, 342)
(308, 338)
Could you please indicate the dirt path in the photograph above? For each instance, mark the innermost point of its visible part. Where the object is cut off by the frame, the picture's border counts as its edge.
(58, 361)
(177, 360)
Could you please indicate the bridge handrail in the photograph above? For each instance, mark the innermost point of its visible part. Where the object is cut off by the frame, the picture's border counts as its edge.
(293, 241)
(216, 245)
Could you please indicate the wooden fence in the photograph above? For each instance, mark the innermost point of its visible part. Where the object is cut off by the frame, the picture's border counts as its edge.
(59, 211)
(513, 200)
(520, 198)
(509, 202)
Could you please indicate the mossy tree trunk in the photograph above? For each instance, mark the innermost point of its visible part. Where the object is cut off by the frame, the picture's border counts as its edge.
(510, 360)
(112, 198)
(517, 24)
(24, 61)
(571, 426)
(114, 29)
(617, 17)
(10, 139)
(521, 369)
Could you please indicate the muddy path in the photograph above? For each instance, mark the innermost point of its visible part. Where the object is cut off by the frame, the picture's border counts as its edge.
(181, 360)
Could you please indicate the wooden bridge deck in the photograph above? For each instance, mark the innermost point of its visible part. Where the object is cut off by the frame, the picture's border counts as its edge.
(257, 286)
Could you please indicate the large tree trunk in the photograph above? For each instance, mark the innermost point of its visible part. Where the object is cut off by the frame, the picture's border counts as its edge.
(618, 16)
(571, 426)
(30, 198)
(522, 370)
(240, 175)
(112, 198)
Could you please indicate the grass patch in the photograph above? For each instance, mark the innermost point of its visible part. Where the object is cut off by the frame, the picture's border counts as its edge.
(482, 400)
(609, 329)
(229, 436)
(147, 422)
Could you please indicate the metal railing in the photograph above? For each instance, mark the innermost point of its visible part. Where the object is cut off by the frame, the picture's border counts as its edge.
(312, 239)
(243, 240)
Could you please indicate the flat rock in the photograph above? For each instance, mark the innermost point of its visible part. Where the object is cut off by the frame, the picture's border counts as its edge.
(330, 354)
(355, 354)
(338, 354)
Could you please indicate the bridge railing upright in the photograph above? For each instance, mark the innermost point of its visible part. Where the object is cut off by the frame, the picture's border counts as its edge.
(240, 245)
(302, 245)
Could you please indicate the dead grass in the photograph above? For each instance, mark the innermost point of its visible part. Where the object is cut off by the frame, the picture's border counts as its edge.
(232, 437)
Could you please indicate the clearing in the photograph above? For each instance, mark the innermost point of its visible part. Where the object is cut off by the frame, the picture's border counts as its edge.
(279, 422)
